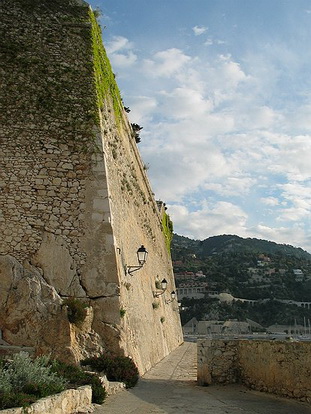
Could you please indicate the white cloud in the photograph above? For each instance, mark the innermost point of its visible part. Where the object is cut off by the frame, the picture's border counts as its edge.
(184, 102)
(142, 108)
(227, 218)
(118, 43)
(231, 186)
(212, 132)
(292, 158)
(298, 202)
(208, 42)
(293, 235)
(123, 60)
(219, 218)
(270, 201)
(230, 70)
(198, 30)
(165, 63)
(120, 52)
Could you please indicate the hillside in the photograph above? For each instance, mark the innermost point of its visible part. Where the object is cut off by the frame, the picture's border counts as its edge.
(252, 269)
(234, 244)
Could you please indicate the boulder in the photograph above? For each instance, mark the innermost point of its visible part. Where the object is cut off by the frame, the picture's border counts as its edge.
(32, 315)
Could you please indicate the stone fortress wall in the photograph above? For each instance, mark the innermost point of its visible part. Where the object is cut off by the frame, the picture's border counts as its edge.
(277, 367)
(75, 202)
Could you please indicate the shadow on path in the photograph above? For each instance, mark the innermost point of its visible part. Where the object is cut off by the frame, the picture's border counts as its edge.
(170, 387)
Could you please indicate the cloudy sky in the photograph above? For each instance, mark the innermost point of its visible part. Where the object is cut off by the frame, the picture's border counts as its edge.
(222, 89)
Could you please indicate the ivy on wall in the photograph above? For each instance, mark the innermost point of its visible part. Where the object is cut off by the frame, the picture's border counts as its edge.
(104, 77)
(167, 227)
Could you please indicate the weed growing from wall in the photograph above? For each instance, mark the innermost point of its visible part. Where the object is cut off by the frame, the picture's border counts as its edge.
(167, 228)
(76, 310)
(104, 78)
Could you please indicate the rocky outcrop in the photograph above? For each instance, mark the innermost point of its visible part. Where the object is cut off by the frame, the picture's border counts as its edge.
(32, 315)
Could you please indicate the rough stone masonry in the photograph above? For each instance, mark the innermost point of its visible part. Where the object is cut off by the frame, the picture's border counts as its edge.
(75, 202)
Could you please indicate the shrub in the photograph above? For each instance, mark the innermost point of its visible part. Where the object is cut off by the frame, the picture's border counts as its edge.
(76, 310)
(116, 368)
(24, 380)
(158, 284)
(11, 400)
(76, 377)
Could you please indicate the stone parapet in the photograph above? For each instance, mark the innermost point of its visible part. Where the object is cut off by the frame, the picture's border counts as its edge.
(67, 402)
(281, 368)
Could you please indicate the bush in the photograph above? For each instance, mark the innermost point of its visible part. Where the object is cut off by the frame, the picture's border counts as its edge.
(24, 380)
(76, 310)
(116, 368)
(76, 377)
(12, 400)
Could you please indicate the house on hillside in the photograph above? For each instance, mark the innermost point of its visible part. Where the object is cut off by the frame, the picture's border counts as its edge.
(210, 327)
(286, 329)
(234, 327)
(190, 328)
(298, 273)
(194, 290)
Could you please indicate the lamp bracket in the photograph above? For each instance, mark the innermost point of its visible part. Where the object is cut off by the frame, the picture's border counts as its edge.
(131, 269)
(158, 293)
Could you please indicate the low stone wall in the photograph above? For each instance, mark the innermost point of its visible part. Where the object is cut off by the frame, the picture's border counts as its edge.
(112, 387)
(277, 367)
(67, 402)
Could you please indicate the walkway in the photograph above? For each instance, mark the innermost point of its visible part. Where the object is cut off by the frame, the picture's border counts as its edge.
(170, 387)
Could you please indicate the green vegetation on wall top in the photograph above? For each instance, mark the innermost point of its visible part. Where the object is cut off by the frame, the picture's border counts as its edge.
(167, 227)
(104, 77)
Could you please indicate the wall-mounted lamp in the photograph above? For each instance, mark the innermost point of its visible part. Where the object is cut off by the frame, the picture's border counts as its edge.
(158, 293)
(141, 257)
(177, 308)
(173, 296)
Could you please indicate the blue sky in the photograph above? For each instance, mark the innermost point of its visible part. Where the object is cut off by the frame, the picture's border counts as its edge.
(222, 89)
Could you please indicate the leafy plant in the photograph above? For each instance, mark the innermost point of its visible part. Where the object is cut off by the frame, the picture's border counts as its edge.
(116, 368)
(162, 319)
(157, 284)
(76, 310)
(24, 380)
(76, 377)
(122, 312)
(167, 228)
(155, 305)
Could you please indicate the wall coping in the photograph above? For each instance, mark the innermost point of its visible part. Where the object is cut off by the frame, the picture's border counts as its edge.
(67, 402)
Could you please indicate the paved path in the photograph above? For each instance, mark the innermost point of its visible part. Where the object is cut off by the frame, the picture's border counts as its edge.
(170, 387)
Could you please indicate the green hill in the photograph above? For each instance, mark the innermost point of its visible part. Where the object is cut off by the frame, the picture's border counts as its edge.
(232, 244)
(251, 269)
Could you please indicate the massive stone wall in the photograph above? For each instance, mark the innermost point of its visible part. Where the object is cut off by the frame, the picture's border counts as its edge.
(75, 202)
(276, 367)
